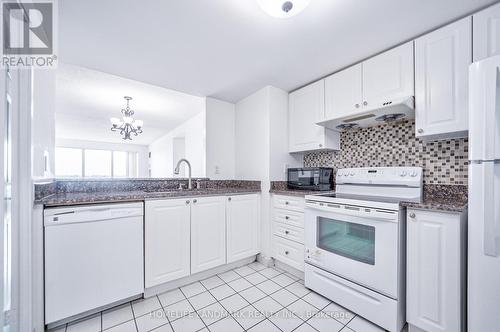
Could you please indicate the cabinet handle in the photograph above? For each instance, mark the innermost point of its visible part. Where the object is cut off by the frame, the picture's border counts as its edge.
(287, 217)
(287, 232)
(321, 145)
(412, 215)
(229, 199)
(286, 203)
(187, 202)
(357, 105)
(420, 130)
(365, 103)
(194, 201)
(286, 252)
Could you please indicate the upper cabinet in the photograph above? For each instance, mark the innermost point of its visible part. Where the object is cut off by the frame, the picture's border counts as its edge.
(343, 92)
(306, 108)
(442, 60)
(486, 33)
(368, 85)
(388, 76)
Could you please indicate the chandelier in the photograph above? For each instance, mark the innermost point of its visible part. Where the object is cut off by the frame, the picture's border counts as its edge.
(127, 125)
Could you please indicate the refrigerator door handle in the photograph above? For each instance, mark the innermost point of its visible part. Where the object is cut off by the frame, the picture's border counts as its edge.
(491, 209)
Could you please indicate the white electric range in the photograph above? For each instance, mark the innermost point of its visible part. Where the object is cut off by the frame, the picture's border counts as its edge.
(355, 241)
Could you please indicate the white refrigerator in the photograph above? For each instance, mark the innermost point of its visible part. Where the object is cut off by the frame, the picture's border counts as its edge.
(483, 300)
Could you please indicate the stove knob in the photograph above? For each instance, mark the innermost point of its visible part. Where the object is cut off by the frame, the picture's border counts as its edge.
(352, 173)
(403, 173)
(413, 174)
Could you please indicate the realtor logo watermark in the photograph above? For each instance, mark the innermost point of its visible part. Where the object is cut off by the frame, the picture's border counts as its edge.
(28, 34)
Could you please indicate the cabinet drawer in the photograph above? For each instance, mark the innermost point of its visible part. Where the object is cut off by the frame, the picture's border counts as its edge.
(289, 232)
(289, 217)
(289, 202)
(289, 252)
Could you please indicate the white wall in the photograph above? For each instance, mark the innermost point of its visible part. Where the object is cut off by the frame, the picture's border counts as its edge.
(261, 136)
(280, 159)
(162, 161)
(221, 149)
(141, 150)
(43, 125)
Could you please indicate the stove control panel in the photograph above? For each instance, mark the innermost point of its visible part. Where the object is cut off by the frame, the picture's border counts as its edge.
(403, 176)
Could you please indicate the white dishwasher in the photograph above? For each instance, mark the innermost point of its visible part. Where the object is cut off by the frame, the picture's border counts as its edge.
(93, 257)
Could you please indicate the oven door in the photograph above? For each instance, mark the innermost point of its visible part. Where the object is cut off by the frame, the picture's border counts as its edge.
(355, 243)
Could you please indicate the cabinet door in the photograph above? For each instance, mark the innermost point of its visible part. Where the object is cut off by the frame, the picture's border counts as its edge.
(442, 60)
(208, 233)
(166, 241)
(243, 226)
(434, 271)
(306, 107)
(388, 76)
(343, 93)
(486, 32)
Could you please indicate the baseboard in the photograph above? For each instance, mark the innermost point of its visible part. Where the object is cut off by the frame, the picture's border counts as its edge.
(152, 291)
(265, 260)
(289, 269)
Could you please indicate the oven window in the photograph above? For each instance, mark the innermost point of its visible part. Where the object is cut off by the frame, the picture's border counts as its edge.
(354, 241)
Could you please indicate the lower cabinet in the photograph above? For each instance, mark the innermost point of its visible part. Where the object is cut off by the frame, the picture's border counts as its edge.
(436, 270)
(191, 235)
(288, 230)
(243, 226)
(166, 240)
(208, 233)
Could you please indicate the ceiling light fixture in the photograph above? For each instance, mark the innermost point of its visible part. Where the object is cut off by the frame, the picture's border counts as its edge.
(127, 125)
(283, 8)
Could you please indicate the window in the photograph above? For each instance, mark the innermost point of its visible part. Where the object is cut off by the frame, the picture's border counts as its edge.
(120, 163)
(98, 163)
(77, 162)
(69, 162)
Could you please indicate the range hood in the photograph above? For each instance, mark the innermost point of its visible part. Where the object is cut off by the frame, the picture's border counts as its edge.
(398, 109)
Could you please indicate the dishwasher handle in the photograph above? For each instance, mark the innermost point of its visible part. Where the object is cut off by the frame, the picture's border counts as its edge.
(61, 216)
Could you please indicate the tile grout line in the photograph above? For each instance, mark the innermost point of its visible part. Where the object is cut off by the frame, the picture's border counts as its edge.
(163, 309)
(249, 304)
(195, 311)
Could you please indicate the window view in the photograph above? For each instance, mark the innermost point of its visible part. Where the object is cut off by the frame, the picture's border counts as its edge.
(69, 162)
(77, 162)
(98, 163)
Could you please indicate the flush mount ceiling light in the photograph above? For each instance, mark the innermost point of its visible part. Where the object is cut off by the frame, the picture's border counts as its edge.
(283, 8)
(127, 125)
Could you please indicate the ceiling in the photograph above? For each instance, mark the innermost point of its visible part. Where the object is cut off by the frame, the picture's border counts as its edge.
(228, 49)
(86, 99)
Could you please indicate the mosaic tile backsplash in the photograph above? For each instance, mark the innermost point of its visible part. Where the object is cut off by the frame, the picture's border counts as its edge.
(395, 144)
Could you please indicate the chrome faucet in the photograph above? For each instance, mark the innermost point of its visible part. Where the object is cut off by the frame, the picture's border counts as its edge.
(176, 171)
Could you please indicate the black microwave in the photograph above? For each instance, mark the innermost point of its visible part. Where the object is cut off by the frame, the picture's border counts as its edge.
(311, 178)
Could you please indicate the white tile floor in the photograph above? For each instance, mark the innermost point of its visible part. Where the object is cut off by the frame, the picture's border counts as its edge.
(250, 298)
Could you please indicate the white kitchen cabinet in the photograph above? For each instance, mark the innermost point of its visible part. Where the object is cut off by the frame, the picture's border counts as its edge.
(166, 240)
(343, 92)
(436, 270)
(368, 85)
(306, 108)
(442, 60)
(388, 76)
(486, 33)
(243, 226)
(208, 233)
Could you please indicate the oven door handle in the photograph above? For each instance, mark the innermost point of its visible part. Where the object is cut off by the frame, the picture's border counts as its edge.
(352, 211)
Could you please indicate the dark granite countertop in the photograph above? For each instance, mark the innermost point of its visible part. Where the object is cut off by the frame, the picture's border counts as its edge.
(73, 192)
(444, 198)
(61, 199)
(295, 192)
